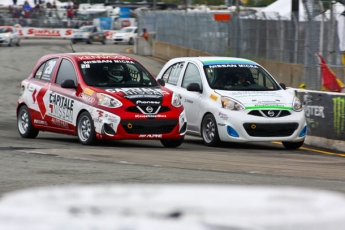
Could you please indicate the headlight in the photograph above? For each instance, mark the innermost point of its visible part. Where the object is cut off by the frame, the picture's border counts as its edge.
(7, 35)
(296, 104)
(176, 100)
(108, 101)
(230, 104)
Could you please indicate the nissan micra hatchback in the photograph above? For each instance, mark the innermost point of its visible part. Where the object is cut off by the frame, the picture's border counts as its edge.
(234, 100)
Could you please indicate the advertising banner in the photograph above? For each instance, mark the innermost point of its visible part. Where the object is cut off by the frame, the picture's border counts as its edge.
(325, 114)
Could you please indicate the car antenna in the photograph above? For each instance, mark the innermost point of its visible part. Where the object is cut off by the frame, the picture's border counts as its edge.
(72, 48)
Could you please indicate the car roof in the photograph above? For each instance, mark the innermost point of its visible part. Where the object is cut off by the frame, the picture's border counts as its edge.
(6, 26)
(218, 60)
(91, 56)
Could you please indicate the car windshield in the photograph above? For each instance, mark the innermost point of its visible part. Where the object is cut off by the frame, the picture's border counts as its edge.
(115, 73)
(4, 30)
(85, 29)
(126, 30)
(240, 78)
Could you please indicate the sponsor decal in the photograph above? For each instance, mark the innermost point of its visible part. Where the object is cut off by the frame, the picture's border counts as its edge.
(188, 101)
(138, 92)
(150, 115)
(104, 56)
(139, 102)
(223, 116)
(111, 118)
(150, 136)
(88, 91)
(214, 97)
(59, 123)
(100, 116)
(61, 107)
(221, 124)
(40, 122)
(87, 98)
(339, 114)
(233, 66)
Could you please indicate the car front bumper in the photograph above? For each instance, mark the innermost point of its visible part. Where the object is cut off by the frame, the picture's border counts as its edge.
(239, 126)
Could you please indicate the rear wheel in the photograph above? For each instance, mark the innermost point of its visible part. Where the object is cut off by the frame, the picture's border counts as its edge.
(172, 143)
(292, 145)
(86, 129)
(209, 131)
(18, 42)
(24, 123)
(10, 42)
(104, 41)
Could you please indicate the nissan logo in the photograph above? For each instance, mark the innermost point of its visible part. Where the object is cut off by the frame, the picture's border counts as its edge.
(270, 113)
(149, 109)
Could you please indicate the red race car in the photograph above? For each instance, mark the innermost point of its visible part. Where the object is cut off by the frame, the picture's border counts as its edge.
(96, 97)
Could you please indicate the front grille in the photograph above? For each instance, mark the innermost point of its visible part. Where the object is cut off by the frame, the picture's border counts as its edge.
(270, 113)
(148, 126)
(270, 130)
(118, 39)
(134, 109)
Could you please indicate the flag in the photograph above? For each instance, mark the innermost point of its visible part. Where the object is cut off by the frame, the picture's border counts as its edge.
(329, 79)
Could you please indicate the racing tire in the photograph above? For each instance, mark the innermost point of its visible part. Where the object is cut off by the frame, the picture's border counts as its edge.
(24, 123)
(172, 143)
(74, 42)
(209, 131)
(131, 41)
(86, 129)
(89, 41)
(292, 145)
(10, 42)
(18, 42)
(104, 41)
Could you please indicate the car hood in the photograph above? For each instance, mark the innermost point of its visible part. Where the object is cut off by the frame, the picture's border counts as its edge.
(149, 96)
(260, 99)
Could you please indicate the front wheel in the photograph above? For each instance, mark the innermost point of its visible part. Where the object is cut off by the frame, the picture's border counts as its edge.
(172, 143)
(131, 41)
(209, 131)
(89, 41)
(10, 42)
(104, 41)
(86, 129)
(18, 42)
(292, 145)
(24, 123)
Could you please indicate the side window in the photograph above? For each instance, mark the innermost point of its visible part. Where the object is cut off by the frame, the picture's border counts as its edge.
(192, 75)
(172, 74)
(66, 71)
(39, 72)
(45, 71)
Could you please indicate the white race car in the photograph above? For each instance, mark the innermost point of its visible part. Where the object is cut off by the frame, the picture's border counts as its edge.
(126, 35)
(234, 100)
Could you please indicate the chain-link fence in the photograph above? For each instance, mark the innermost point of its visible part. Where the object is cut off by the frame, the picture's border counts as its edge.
(259, 37)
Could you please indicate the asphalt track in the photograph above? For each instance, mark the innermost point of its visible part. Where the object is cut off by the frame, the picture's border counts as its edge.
(53, 159)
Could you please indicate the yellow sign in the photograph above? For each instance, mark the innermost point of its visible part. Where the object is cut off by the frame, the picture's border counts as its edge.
(88, 91)
(214, 97)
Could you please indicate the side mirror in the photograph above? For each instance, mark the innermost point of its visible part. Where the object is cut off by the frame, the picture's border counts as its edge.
(283, 85)
(68, 83)
(161, 82)
(194, 87)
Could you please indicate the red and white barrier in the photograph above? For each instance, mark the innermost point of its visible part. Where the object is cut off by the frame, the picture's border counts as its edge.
(33, 32)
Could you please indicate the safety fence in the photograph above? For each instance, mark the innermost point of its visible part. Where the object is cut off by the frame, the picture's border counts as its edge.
(264, 36)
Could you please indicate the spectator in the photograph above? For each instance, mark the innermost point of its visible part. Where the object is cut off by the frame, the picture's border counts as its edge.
(145, 34)
(27, 7)
(48, 5)
(54, 5)
(69, 13)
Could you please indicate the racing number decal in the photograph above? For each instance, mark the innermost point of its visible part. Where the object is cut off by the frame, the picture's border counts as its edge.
(50, 67)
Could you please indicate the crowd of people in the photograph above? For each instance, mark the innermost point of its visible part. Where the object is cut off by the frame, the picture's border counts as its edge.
(28, 11)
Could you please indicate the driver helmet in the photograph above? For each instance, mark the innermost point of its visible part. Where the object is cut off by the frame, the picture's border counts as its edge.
(118, 73)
